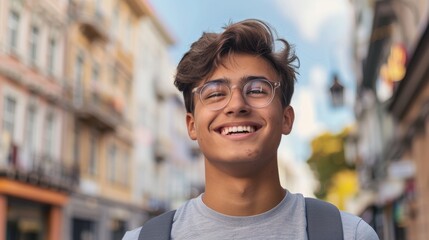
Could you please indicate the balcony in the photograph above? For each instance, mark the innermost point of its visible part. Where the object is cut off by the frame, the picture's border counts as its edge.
(104, 111)
(91, 20)
(125, 58)
(39, 170)
(139, 7)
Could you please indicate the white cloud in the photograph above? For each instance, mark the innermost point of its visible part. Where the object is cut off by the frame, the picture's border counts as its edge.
(319, 82)
(310, 15)
(296, 176)
(306, 124)
(318, 79)
(307, 99)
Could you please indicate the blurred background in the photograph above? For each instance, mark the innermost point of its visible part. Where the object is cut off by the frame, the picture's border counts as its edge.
(92, 130)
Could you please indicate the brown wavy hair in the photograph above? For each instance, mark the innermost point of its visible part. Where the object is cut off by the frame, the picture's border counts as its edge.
(250, 36)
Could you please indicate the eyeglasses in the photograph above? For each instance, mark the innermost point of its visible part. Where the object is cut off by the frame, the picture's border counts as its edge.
(216, 94)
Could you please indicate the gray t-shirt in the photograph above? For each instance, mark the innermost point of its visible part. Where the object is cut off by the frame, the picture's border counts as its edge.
(194, 220)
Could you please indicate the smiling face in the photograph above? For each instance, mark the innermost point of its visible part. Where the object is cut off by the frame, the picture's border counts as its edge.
(238, 134)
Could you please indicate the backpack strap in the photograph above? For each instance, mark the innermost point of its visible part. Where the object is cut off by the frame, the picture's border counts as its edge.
(158, 228)
(323, 220)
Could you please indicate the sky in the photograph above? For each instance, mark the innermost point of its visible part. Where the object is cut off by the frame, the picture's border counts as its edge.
(320, 31)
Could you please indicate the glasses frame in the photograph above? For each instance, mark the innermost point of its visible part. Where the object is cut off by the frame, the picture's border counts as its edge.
(273, 85)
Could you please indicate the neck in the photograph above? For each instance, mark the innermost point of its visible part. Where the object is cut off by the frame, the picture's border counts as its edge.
(243, 195)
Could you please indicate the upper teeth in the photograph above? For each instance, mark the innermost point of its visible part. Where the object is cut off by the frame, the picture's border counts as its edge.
(235, 129)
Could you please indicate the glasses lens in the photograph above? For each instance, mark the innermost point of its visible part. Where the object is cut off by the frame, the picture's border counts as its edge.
(258, 92)
(215, 94)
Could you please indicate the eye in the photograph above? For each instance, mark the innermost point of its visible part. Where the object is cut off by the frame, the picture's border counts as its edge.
(257, 88)
(213, 95)
(214, 91)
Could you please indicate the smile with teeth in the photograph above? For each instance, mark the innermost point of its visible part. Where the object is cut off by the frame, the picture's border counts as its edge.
(237, 129)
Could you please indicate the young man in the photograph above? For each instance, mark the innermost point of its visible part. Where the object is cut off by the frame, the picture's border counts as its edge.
(237, 91)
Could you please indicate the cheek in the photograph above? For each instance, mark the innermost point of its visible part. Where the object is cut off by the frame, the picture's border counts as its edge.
(276, 125)
(201, 127)
(275, 119)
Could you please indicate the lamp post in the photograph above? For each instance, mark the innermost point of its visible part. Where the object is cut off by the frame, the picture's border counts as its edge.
(337, 92)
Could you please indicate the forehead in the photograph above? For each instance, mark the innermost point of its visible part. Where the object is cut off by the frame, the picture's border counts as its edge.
(238, 66)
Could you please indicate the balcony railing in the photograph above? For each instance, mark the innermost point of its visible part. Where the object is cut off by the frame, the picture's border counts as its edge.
(99, 110)
(93, 23)
(138, 6)
(40, 170)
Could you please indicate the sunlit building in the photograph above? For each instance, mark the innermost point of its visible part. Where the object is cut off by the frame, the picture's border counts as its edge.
(93, 138)
(36, 176)
(169, 164)
(100, 53)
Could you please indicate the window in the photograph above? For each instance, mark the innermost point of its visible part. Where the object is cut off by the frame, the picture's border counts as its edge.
(92, 165)
(94, 80)
(98, 6)
(115, 24)
(114, 77)
(117, 228)
(49, 135)
(13, 30)
(95, 72)
(128, 34)
(9, 116)
(52, 52)
(84, 229)
(34, 44)
(124, 169)
(126, 98)
(78, 78)
(111, 168)
(76, 146)
(30, 130)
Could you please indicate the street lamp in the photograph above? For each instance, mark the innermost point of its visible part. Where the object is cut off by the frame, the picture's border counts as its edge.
(337, 92)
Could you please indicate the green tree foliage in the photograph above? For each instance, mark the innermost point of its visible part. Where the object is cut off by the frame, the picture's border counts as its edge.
(328, 158)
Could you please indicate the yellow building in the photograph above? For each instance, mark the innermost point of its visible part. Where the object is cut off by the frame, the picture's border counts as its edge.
(99, 72)
(35, 176)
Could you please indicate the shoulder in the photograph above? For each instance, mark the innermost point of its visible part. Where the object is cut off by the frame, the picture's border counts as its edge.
(156, 221)
(188, 209)
(356, 228)
(132, 235)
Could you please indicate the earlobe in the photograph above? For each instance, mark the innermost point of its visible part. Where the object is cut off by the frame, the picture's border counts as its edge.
(190, 123)
(288, 118)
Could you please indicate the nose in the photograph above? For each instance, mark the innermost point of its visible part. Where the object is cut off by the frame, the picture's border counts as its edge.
(237, 104)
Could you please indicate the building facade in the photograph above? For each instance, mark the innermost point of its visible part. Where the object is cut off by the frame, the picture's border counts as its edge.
(36, 178)
(169, 163)
(93, 134)
(389, 45)
(410, 109)
(101, 48)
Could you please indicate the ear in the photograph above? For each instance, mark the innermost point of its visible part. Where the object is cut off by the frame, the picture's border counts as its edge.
(288, 118)
(190, 124)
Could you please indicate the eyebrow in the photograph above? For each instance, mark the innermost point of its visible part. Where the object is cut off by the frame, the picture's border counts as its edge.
(243, 79)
